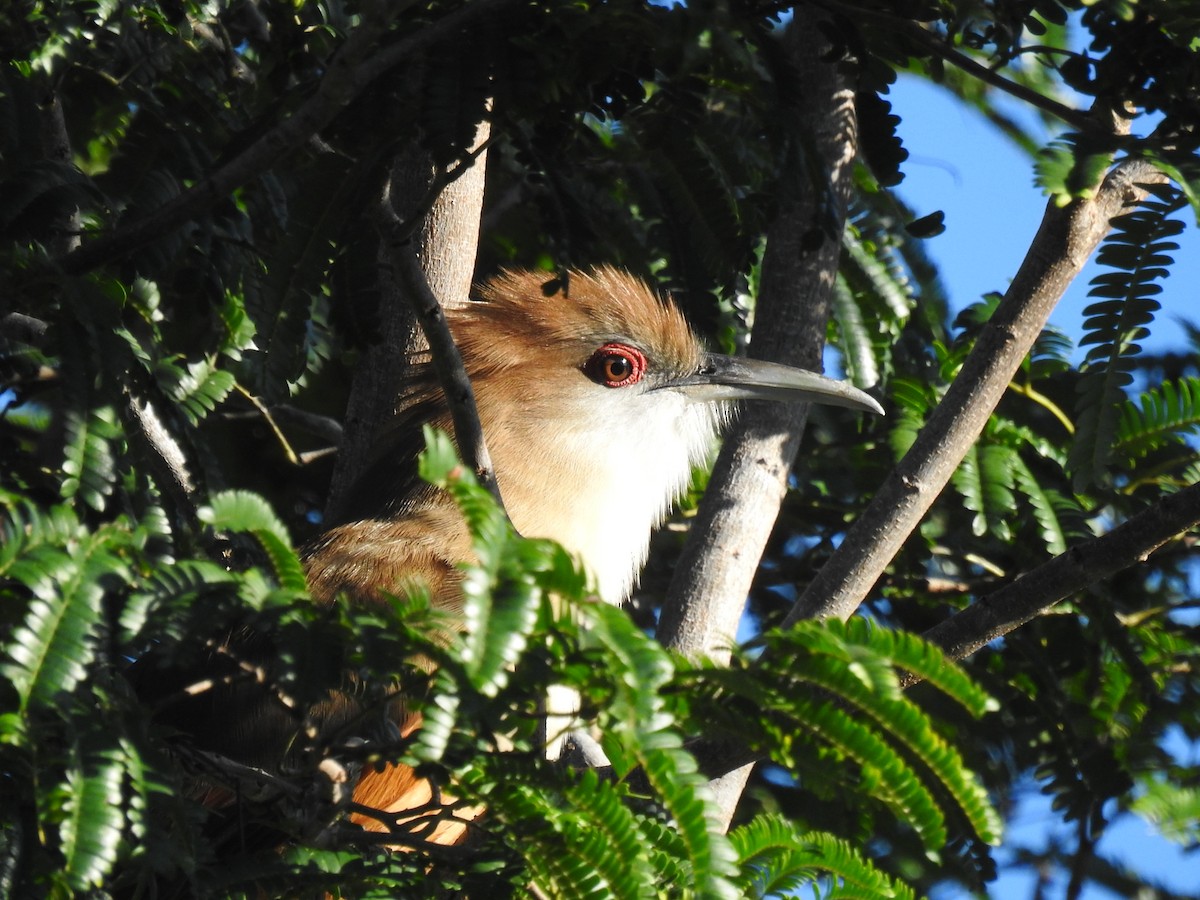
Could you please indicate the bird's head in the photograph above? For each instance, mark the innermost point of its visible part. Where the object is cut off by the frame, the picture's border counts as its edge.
(597, 402)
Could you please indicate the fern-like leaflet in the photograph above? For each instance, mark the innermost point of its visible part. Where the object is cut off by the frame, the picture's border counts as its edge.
(507, 595)
(834, 686)
(778, 858)
(1138, 255)
(1161, 418)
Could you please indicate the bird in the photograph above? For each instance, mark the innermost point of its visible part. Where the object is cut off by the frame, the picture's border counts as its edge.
(596, 400)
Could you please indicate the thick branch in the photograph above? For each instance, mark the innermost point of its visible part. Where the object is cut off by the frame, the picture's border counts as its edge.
(444, 255)
(349, 73)
(713, 577)
(1036, 591)
(1066, 239)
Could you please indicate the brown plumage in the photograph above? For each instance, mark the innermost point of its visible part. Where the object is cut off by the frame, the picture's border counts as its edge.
(527, 355)
(596, 404)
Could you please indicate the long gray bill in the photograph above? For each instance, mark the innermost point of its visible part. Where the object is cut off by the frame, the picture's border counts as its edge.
(736, 378)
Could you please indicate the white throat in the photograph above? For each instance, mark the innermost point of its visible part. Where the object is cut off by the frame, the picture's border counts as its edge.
(601, 475)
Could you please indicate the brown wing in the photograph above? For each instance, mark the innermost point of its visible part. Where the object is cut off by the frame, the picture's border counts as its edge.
(364, 560)
(244, 721)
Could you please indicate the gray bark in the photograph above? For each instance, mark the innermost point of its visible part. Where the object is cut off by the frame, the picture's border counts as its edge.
(445, 245)
(1064, 242)
(713, 577)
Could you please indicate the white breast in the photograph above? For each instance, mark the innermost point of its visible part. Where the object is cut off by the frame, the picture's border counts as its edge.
(599, 475)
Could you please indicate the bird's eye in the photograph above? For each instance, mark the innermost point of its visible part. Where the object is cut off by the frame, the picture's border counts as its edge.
(616, 365)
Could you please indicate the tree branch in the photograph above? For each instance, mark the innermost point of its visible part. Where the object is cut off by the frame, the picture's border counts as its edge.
(442, 210)
(1077, 119)
(447, 361)
(713, 577)
(165, 457)
(452, 374)
(1065, 240)
(1062, 246)
(56, 147)
(1130, 543)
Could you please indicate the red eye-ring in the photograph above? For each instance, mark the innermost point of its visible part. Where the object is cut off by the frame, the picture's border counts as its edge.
(616, 365)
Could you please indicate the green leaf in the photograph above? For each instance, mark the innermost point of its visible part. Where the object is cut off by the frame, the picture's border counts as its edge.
(198, 390)
(1137, 253)
(858, 713)
(49, 651)
(501, 599)
(1172, 809)
(169, 585)
(918, 656)
(857, 348)
(591, 845)
(984, 478)
(94, 820)
(1072, 168)
(914, 399)
(927, 226)
(1048, 507)
(1159, 417)
(247, 512)
(238, 326)
(90, 464)
(637, 714)
(778, 858)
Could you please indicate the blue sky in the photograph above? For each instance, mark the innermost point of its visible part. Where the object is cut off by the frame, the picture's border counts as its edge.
(962, 165)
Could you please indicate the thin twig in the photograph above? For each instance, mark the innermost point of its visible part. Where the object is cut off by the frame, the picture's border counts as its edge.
(270, 420)
(1077, 119)
(324, 427)
(308, 804)
(447, 361)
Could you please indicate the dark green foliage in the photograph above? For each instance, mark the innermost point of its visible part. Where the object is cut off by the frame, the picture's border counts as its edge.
(165, 408)
(51, 648)
(887, 744)
(1072, 168)
(880, 145)
(557, 828)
